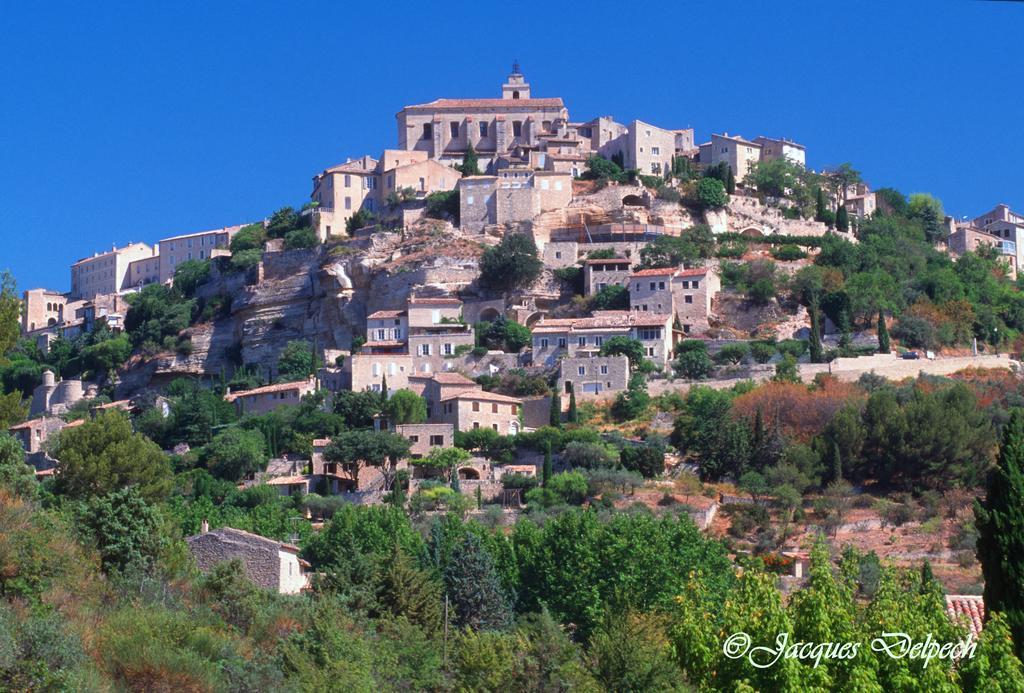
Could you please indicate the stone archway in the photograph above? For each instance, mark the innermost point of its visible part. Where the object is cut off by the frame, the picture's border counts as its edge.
(469, 474)
(533, 318)
(752, 232)
(488, 315)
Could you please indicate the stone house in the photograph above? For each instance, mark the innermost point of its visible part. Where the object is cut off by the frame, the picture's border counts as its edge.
(436, 387)
(1003, 222)
(34, 433)
(970, 238)
(740, 154)
(387, 327)
(53, 397)
(368, 184)
(175, 250)
(781, 148)
(685, 293)
(268, 563)
(466, 409)
(426, 436)
(597, 274)
(648, 148)
(261, 400)
(444, 128)
(106, 273)
(515, 194)
(555, 338)
(366, 370)
(860, 201)
(41, 308)
(592, 377)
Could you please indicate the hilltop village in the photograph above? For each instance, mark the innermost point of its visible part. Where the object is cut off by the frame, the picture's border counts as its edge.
(510, 312)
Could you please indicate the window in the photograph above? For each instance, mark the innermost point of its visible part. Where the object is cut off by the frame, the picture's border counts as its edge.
(483, 129)
(494, 426)
(686, 284)
(428, 131)
(380, 335)
(515, 410)
(653, 284)
(476, 424)
(649, 351)
(348, 181)
(558, 183)
(544, 343)
(436, 441)
(476, 406)
(686, 329)
(688, 299)
(598, 341)
(391, 181)
(558, 254)
(424, 350)
(348, 203)
(604, 370)
(561, 342)
(414, 439)
(546, 124)
(695, 285)
(544, 184)
(447, 349)
(581, 341)
(647, 335)
(517, 128)
(494, 407)
(454, 130)
(515, 94)
(582, 370)
(423, 184)
(398, 333)
(661, 286)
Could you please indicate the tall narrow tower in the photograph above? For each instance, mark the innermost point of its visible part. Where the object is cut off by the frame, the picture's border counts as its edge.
(516, 87)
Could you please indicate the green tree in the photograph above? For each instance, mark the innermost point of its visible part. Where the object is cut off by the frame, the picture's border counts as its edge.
(599, 168)
(512, 264)
(647, 459)
(624, 346)
(692, 360)
(573, 415)
(548, 468)
(883, 335)
(842, 219)
(611, 297)
(377, 449)
(296, 361)
(190, 275)
(405, 590)
(928, 211)
(786, 370)
(814, 338)
(630, 651)
(357, 409)
(155, 313)
(300, 238)
(444, 461)
(474, 589)
(251, 237)
(103, 455)
(820, 206)
(470, 165)
(107, 355)
(10, 314)
(631, 404)
(1000, 523)
(711, 194)
(125, 529)
(235, 453)
(282, 221)
(994, 667)
(405, 407)
(15, 474)
(555, 414)
(730, 181)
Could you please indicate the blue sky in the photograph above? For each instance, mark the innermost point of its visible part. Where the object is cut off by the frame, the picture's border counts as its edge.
(135, 121)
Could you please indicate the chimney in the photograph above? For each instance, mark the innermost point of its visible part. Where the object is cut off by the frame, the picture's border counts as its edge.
(204, 527)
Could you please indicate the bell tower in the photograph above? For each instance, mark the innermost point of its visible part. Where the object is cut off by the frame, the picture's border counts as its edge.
(516, 87)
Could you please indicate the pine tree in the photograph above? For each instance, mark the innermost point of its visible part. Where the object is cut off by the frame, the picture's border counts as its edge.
(547, 469)
(470, 165)
(814, 341)
(820, 207)
(842, 219)
(1000, 523)
(405, 590)
(555, 418)
(574, 416)
(474, 588)
(883, 335)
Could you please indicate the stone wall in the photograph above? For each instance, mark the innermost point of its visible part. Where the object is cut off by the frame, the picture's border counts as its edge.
(259, 555)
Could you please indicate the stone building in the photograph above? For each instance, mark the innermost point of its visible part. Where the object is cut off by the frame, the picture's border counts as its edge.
(268, 563)
(424, 437)
(684, 293)
(780, 148)
(53, 397)
(1008, 225)
(468, 409)
(515, 194)
(34, 433)
(437, 386)
(200, 245)
(555, 338)
(648, 148)
(444, 128)
(599, 273)
(261, 400)
(42, 308)
(593, 377)
(967, 237)
(367, 369)
(860, 201)
(372, 185)
(106, 273)
(740, 154)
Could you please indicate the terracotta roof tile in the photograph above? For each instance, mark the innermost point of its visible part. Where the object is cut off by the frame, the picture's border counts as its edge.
(279, 387)
(385, 314)
(655, 272)
(452, 379)
(482, 395)
(487, 103)
(967, 610)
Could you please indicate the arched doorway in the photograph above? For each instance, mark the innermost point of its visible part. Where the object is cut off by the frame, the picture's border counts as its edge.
(489, 315)
(469, 474)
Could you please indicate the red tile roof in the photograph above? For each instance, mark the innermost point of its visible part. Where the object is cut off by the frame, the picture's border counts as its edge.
(452, 379)
(385, 314)
(519, 104)
(695, 272)
(603, 319)
(967, 610)
(481, 395)
(656, 272)
(279, 387)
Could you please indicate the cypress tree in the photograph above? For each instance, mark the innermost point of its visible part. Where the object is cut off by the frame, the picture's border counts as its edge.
(474, 588)
(1000, 523)
(574, 416)
(470, 164)
(836, 463)
(547, 469)
(820, 207)
(384, 388)
(814, 343)
(842, 219)
(883, 335)
(556, 411)
(730, 182)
